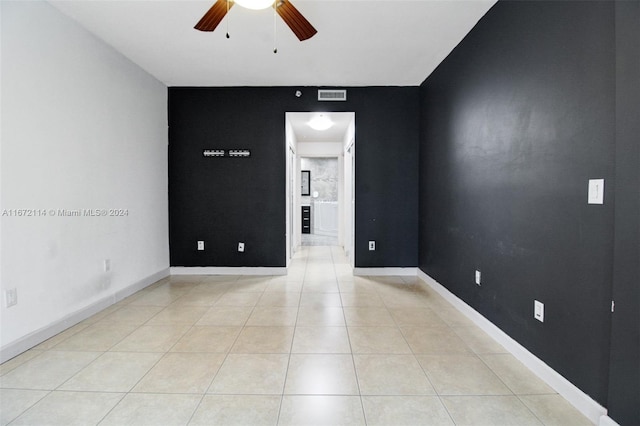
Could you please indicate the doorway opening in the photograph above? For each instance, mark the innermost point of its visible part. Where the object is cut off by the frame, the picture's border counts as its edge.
(322, 198)
(321, 202)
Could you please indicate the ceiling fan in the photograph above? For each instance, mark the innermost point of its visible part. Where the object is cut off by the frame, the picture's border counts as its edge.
(289, 14)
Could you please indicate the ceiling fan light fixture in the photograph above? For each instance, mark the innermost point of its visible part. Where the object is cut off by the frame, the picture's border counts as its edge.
(283, 8)
(255, 4)
(320, 122)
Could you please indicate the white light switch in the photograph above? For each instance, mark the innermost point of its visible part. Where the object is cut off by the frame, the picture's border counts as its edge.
(596, 191)
(478, 277)
(538, 310)
(200, 245)
(372, 245)
(241, 247)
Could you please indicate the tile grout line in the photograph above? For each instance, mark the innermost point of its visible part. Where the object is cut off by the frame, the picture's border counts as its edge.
(286, 373)
(129, 392)
(424, 371)
(353, 360)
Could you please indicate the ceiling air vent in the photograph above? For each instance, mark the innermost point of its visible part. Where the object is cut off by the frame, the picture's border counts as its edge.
(332, 95)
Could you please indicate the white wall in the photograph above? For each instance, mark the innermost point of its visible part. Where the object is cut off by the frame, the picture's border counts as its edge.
(320, 149)
(348, 199)
(292, 219)
(82, 128)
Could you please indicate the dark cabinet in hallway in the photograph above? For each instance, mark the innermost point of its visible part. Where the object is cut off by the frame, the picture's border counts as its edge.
(306, 219)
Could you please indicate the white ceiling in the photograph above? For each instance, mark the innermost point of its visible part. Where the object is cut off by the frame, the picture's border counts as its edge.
(359, 43)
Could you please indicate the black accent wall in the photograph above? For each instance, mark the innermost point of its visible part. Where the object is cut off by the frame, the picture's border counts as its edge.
(514, 123)
(226, 200)
(624, 381)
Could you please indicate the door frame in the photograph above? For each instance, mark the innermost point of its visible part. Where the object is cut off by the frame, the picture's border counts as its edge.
(346, 229)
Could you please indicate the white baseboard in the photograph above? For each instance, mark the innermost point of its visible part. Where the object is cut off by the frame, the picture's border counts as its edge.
(580, 400)
(226, 270)
(607, 421)
(35, 338)
(383, 272)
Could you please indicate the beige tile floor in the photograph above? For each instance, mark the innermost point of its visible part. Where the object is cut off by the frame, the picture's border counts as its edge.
(317, 347)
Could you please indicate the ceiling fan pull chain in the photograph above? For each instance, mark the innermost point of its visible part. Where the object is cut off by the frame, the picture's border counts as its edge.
(228, 19)
(275, 28)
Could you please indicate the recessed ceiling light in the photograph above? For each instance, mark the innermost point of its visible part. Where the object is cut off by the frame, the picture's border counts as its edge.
(320, 122)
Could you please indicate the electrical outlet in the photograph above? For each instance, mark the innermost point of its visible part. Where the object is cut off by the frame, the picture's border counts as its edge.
(372, 245)
(200, 245)
(241, 247)
(538, 310)
(10, 297)
(107, 265)
(477, 277)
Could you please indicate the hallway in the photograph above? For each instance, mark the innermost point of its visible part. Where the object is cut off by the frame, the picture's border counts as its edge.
(318, 346)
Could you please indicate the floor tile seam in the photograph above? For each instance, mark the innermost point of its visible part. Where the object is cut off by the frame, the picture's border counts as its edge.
(498, 375)
(213, 377)
(134, 392)
(404, 337)
(84, 327)
(143, 305)
(55, 347)
(3, 388)
(447, 354)
(197, 406)
(321, 394)
(382, 353)
(230, 350)
(353, 361)
(374, 326)
(446, 409)
(102, 353)
(507, 393)
(530, 409)
(333, 266)
(141, 377)
(47, 393)
(364, 413)
(178, 341)
(457, 329)
(187, 329)
(280, 404)
(427, 375)
(206, 388)
(29, 407)
(415, 358)
(320, 326)
(91, 391)
(355, 370)
(293, 338)
(266, 394)
(112, 408)
(469, 350)
(538, 394)
(23, 362)
(408, 325)
(399, 395)
(490, 396)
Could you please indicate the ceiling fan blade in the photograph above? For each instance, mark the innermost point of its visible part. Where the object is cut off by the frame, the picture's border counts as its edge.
(294, 19)
(212, 18)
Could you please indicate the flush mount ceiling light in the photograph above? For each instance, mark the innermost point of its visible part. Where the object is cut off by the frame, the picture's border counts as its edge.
(320, 122)
(255, 4)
